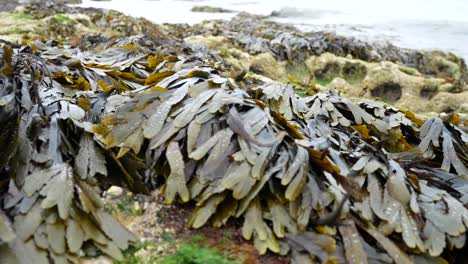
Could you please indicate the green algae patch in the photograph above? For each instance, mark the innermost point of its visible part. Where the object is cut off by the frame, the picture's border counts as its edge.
(192, 254)
(16, 15)
(63, 19)
(15, 24)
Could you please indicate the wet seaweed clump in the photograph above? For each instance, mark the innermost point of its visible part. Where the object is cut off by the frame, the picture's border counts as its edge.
(322, 178)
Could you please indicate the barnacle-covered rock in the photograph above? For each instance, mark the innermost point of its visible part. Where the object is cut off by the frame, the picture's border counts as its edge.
(387, 81)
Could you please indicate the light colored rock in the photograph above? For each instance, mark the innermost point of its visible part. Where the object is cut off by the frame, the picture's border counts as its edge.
(265, 64)
(137, 207)
(210, 42)
(258, 77)
(447, 87)
(327, 66)
(342, 86)
(13, 25)
(114, 191)
(409, 70)
(99, 260)
(399, 85)
(210, 9)
(237, 59)
(443, 68)
(82, 18)
(448, 102)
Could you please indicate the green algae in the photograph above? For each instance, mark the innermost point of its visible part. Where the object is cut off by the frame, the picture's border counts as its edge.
(63, 19)
(192, 254)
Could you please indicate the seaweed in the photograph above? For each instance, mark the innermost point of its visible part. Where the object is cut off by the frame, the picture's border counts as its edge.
(320, 177)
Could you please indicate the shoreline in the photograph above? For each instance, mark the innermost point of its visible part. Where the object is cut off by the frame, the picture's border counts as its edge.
(400, 30)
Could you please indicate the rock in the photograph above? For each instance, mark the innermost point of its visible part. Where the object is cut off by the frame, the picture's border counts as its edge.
(13, 25)
(98, 260)
(160, 249)
(265, 64)
(210, 9)
(441, 66)
(137, 207)
(450, 102)
(448, 87)
(208, 42)
(396, 84)
(114, 191)
(328, 66)
(70, 24)
(374, 56)
(255, 34)
(238, 60)
(409, 70)
(399, 85)
(342, 86)
(385, 80)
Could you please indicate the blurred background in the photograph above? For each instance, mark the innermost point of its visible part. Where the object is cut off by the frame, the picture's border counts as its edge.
(419, 24)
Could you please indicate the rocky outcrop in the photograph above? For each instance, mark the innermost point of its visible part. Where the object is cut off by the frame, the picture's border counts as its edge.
(78, 26)
(8, 5)
(210, 9)
(401, 86)
(449, 102)
(396, 84)
(255, 35)
(410, 79)
(210, 42)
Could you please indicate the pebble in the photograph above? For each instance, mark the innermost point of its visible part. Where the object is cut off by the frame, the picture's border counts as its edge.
(114, 191)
